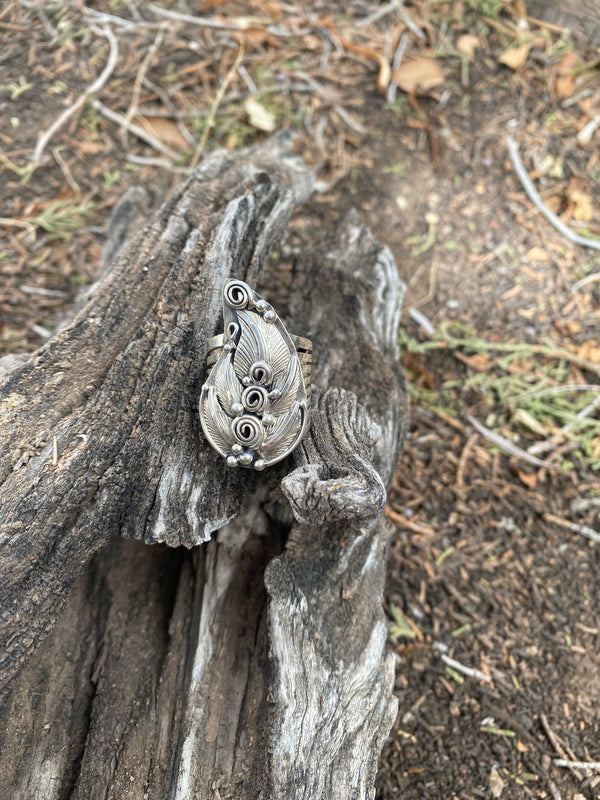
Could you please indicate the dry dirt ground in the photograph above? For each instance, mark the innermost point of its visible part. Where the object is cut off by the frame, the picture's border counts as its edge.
(494, 567)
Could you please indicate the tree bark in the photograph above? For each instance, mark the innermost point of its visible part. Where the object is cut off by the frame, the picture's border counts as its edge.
(253, 664)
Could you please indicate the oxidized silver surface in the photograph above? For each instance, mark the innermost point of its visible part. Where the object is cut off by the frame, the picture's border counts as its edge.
(254, 406)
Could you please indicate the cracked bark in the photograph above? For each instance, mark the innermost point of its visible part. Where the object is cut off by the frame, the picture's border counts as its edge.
(250, 662)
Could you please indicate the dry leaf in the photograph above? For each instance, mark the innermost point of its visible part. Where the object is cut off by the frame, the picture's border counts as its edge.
(258, 116)
(496, 783)
(589, 351)
(478, 362)
(565, 82)
(528, 478)
(90, 148)
(257, 36)
(419, 75)
(564, 86)
(579, 200)
(414, 363)
(516, 57)
(164, 129)
(537, 254)
(467, 44)
(385, 71)
(385, 75)
(568, 63)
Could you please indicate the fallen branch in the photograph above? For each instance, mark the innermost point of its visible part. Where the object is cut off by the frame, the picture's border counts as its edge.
(565, 762)
(584, 530)
(507, 446)
(532, 193)
(79, 103)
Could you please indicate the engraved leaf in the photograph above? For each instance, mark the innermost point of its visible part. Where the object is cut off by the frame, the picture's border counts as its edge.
(282, 435)
(260, 341)
(290, 387)
(228, 388)
(215, 421)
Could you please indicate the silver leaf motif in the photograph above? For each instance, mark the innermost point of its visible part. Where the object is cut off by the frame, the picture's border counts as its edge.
(254, 404)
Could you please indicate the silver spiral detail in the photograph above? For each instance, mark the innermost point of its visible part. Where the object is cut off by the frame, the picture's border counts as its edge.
(232, 330)
(248, 430)
(261, 373)
(255, 399)
(237, 294)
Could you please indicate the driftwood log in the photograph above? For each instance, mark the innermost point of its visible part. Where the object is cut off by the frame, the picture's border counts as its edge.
(251, 662)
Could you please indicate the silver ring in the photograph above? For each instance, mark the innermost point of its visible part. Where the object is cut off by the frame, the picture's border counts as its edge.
(255, 404)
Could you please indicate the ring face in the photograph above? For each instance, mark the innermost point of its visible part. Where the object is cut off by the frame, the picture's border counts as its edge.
(254, 406)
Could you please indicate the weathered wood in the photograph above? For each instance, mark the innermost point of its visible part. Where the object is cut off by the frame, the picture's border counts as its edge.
(253, 666)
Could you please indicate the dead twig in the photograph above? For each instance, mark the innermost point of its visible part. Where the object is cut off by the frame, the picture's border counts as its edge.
(203, 22)
(126, 25)
(421, 320)
(470, 672)
(462, 463)
(507, 446)
(163, 163)
(532, 193)
(139, 132)
(210, 120)
(381, 12)
(137, 85)
(339, 110)
(415, 527)
(564, 762)
(78, 104)
(47, 25)
(398, 56)
(66, 171)
(584, 530)
(556, 744)
(558, 438)
(595, 276)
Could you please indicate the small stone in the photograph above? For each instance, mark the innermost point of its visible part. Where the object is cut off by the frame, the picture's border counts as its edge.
(259, 464)
(238, 409)
(232, 461)
(246, 459)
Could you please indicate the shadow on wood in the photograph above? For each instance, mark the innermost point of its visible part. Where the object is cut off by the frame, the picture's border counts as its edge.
(252, 665)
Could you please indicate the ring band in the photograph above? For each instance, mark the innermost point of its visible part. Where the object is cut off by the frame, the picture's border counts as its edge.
(255, 404)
